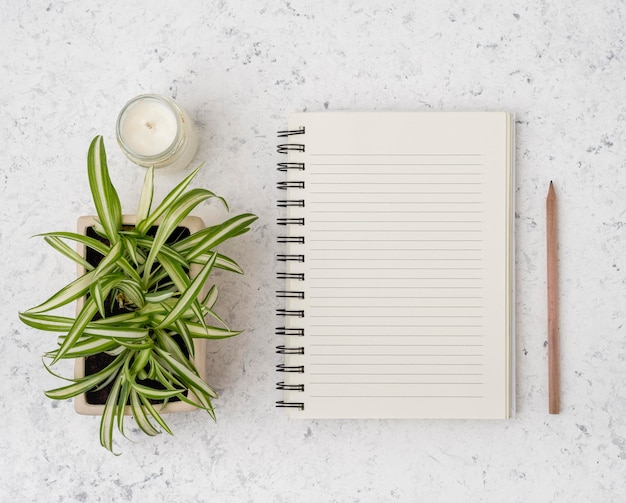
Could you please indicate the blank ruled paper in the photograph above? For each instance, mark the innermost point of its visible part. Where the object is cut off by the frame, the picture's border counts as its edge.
(407, 282)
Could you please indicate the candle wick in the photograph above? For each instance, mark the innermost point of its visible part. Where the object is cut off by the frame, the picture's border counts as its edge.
(149, 125)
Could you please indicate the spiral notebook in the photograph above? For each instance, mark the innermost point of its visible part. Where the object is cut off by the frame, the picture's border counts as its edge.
(395, 265)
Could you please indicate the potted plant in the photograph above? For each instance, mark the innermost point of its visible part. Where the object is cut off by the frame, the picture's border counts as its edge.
(142, 307)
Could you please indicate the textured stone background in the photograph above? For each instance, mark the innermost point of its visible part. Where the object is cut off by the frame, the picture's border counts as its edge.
(240, 68)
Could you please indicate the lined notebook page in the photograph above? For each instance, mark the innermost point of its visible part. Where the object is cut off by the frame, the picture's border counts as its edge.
(406, 265)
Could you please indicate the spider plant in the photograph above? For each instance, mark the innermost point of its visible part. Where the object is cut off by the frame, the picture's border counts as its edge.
(160, 308)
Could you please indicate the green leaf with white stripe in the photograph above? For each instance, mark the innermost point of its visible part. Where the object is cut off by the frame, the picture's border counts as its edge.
(67, 294)
(144, 225)
(171, 219)
(70, 253)
(190, 295)
(198, 331)
(133, 292)
(155, 394)
(188, 376)
(130, 247)
(86, 383)
(140, 415)
(153, 412)
(87, 241)
(168, 344)
(183, 331)
(109, 414)
(82, 320)
(147, 192)
(142, 344)
(222, 262)
(86, 347)
(121, 403)
(157, 297)
(98, 296)
(119, 329)
(110, 261)
(104, 195)
(140, 361)
(131, 319)
(182, 282)
(211, 297)
(206, 239)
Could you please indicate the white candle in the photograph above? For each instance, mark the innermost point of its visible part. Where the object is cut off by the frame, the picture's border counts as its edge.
(153, 130)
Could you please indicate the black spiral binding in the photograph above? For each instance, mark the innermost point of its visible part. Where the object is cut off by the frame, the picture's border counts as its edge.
(283, 258)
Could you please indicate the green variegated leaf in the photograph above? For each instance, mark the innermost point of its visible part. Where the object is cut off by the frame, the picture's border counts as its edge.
(155, 394)
(153, 412)
(147, 191)
(130, 248)
(222, 262)
(67, 294)
(183, 331)
(187, 375)
(144, 225)
(203, 241)
(119, 329)
(105, 197)
(86, 383)
(64, 249)
(158, 297)
(110, 261)
(198, 331)
(111, 408)
(175, 272)
(190, 295)
(132, 319)
(140, 360)
(168, 344)
(46, 321)
(132, 345)
(82, 320)
(121, 404)
(118, 333)
(133, 292)
(140, 415)
(175, 214)
(129, 270)
(211, 297)
(87, 346)
(92, 243)
(96, 293)
(164, 376)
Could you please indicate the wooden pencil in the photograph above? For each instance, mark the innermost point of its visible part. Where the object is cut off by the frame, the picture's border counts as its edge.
(553, 302)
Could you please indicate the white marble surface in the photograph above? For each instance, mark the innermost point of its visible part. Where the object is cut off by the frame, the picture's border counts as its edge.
(240, 68)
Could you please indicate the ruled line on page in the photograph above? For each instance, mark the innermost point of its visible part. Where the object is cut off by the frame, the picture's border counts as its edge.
(395, 154)
(396, 297)
(392, 325)
(336, 306)
(386, 383)
(396, 396)
(385, 259)
(385, 355)
(319, 345)
(394, 221)
(410, 335)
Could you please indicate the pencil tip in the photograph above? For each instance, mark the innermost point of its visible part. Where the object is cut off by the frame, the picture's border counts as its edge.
(551, 192)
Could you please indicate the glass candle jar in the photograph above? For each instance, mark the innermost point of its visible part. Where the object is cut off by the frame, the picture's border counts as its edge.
(152, 130)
